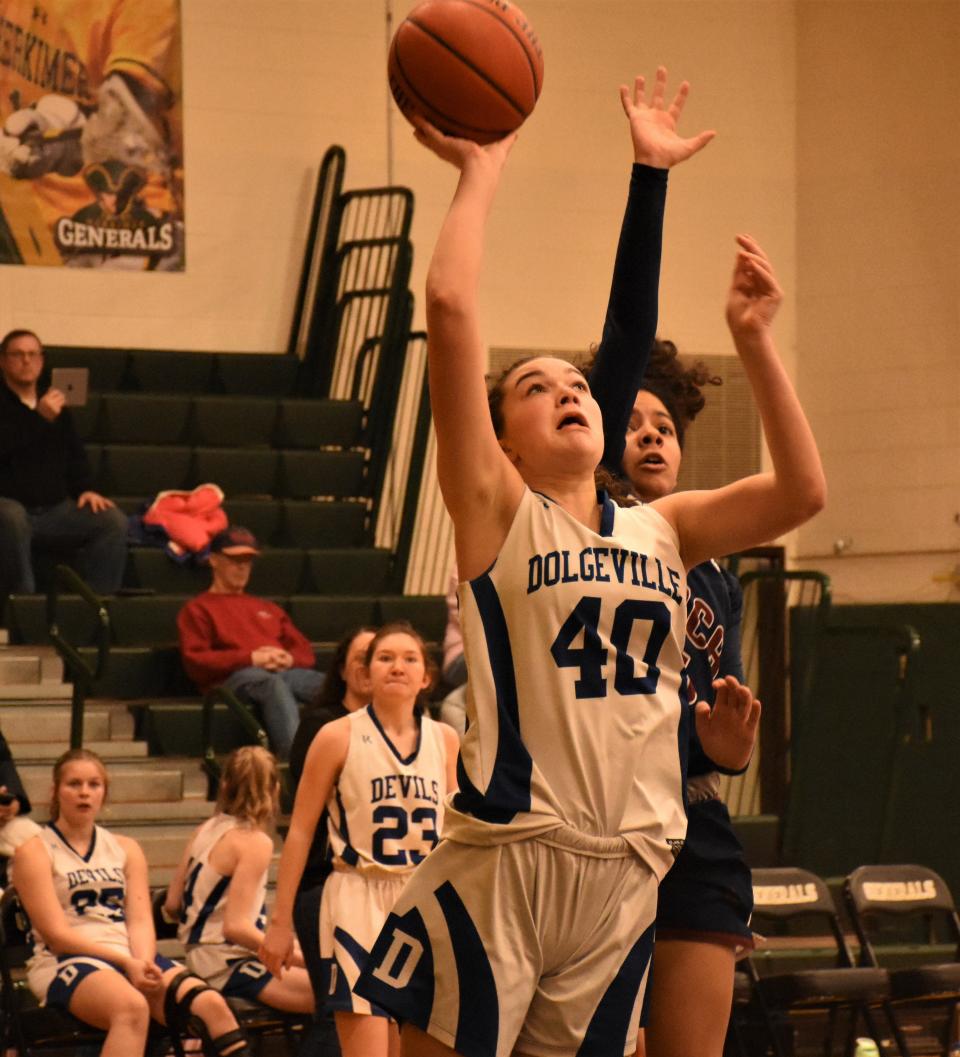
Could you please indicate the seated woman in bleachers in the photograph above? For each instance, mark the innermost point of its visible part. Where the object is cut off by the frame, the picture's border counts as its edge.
(382, 773)
(219, 887)
(95, 953)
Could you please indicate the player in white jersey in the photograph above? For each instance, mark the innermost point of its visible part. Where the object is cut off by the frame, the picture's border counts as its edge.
(382, 773)
(85, 892)
(528, 930)
(220, 885)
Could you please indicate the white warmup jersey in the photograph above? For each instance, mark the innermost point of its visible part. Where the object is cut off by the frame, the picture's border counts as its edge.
(574, 643)
(92, 891)
(205, 901)
(386, 811)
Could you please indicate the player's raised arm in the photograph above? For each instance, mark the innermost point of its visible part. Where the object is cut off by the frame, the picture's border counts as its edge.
(480, 487)
(630, 324)
(760, 508)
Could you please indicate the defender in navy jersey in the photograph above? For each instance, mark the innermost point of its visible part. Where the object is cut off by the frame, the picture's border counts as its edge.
(218, 890)
(705, 901)
(85, 892)
(573, 631)
(383, 773)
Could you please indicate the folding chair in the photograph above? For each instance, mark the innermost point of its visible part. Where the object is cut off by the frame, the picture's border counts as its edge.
(796, 906)
(29, 1028)
(905, 918)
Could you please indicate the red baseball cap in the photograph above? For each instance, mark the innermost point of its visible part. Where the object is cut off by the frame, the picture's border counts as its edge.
(234, 541)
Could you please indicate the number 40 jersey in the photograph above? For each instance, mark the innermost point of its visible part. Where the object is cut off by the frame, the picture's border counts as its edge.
(386, 810)
(574, 644)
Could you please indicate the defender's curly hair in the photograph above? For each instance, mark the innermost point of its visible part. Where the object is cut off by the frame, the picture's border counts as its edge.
(678, 385)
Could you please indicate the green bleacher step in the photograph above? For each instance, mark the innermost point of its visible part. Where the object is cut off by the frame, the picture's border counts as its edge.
(176, 729)
(51, 724)
(35, 751)
(141, 784)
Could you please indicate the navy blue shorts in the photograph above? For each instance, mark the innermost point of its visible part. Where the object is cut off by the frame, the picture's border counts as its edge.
(248, 978)
(707, 894)
(75, 968)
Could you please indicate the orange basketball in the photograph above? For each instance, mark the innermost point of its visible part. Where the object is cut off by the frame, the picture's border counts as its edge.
(473, 68)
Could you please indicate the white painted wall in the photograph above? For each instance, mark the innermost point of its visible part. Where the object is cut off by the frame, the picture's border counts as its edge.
(836, 148)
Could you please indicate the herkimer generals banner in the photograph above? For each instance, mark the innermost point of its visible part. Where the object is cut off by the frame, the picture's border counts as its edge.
(91, 145)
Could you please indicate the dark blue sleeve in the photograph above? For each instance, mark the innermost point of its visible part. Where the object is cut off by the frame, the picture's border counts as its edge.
(731, 660)
(630, 325)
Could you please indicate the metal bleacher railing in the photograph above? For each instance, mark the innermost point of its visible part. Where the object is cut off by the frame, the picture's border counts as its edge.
(81, 672)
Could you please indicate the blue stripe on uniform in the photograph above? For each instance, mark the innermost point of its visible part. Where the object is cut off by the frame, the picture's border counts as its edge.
(209, 905)
(413, 1002)
(607, 1030)
(508, 791)
(349, 854)
(478, 1021)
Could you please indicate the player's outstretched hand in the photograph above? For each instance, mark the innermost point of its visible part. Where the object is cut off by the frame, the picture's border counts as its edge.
(461, 152)
(653, 126)
(755, 294)
(276, 949)
(728, 731)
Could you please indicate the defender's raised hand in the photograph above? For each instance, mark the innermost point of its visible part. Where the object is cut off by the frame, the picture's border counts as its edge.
(755, 294)
(728, 730)
(653, 126)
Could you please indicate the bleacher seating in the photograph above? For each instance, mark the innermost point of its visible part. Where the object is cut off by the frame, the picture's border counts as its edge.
(293, 470)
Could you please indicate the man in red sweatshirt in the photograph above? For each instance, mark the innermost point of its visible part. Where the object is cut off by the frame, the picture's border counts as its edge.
(229, 638)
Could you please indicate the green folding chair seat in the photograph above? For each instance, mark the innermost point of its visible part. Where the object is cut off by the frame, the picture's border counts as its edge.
(27, 620)
(321, 473)
(427, 613)
(232, 421)
(256, 374)
(143, 470)
(349, 571)
(86, 419)
(328, 619)
(142, 671)
(108, 367)
(262, 516)
(238, 473)
(171, 372)
(277, 572)
(319, 423)
(323, 523)
(151, 567)
(144, 418)
(145, 620)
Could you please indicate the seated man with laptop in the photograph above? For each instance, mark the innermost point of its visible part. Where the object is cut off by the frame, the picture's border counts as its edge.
(46, 494)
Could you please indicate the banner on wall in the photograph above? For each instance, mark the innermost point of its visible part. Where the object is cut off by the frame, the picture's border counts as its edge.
(91, 145)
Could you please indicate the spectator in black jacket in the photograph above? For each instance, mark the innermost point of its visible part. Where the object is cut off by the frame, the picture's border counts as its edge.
(46, 493)
(14, 805)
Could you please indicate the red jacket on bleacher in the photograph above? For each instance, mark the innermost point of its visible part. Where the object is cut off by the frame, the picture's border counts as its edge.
(218, 632)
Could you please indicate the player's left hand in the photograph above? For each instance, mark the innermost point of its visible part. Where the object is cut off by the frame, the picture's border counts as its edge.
(755, 294)
(728, 731)
(462, 152)
(94, 501)
(653, 127)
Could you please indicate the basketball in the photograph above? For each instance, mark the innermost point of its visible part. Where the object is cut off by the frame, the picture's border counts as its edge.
(473, 68)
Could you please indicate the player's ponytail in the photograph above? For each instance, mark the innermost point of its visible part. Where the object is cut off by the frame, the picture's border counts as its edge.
(250, 786)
